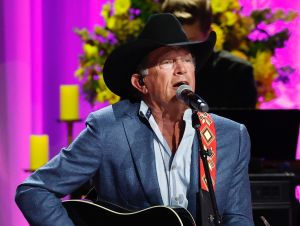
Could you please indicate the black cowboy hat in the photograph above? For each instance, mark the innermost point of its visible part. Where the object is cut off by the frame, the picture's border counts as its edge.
(162, 29)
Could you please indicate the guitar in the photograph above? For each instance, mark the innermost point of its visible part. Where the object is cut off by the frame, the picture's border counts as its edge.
(87, 213)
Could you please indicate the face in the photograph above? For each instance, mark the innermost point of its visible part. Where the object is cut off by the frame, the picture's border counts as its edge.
(194, 33)
(168, 68)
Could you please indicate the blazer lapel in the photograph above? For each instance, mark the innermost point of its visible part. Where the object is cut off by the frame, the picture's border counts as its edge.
(140, 140)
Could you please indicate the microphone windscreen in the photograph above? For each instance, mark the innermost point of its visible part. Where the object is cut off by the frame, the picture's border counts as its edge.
(182, 88)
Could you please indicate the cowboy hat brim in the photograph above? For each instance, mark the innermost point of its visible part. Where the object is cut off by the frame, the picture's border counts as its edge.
(123, 61)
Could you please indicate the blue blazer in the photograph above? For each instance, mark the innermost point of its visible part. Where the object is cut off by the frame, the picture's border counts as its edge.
(116, 151)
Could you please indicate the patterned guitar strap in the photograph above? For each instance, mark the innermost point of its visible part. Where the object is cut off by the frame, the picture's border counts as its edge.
(208, 138)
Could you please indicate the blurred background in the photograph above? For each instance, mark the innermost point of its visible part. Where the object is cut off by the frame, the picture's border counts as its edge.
(46, 46)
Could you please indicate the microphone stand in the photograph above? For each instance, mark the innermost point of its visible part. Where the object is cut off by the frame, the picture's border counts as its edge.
(203, 154)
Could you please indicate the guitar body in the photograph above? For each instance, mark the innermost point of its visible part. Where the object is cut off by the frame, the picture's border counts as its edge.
(85, 213)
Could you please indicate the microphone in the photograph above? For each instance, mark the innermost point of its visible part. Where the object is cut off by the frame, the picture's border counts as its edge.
(186, 94)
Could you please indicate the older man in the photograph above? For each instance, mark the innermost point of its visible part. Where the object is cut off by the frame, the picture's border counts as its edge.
(143, 151)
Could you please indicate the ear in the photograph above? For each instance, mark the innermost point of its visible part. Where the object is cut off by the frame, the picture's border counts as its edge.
(208, 33)
(137, 84)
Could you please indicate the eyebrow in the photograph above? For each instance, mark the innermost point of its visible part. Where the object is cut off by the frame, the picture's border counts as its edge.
(160, 56)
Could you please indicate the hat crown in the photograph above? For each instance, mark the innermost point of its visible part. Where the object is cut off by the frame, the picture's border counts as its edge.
(163, 28)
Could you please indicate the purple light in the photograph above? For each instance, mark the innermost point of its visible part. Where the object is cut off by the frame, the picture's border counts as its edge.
(37, 61)
(17, 64)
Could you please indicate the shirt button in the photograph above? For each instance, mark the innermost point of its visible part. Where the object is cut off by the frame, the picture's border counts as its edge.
(175, 200)
(180, 198)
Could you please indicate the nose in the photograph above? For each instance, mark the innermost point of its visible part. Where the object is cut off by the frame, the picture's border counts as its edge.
(180, 67)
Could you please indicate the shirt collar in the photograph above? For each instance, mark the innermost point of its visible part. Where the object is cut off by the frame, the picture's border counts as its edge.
(145, 112)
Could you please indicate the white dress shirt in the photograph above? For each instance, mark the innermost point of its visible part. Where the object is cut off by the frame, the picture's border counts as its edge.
(173, 170)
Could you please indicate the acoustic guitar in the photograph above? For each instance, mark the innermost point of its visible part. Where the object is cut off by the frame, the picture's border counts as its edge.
(87, 213)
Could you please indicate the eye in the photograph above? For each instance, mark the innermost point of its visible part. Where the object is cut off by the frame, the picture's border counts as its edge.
(166, 62)
(188, 60)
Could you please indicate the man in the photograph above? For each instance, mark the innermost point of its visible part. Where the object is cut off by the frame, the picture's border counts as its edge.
(143, 151)
(225, 81)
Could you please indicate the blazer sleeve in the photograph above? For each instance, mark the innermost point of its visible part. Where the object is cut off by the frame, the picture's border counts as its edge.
(39, 196)
(238, 210)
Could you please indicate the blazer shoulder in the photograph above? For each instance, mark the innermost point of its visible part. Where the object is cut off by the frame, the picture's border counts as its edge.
(115, 112)
(225, 123)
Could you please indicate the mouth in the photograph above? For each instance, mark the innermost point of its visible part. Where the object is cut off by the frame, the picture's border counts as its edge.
(176, 85)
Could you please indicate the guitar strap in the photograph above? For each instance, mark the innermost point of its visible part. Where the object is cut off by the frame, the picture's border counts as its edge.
(208, 138)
